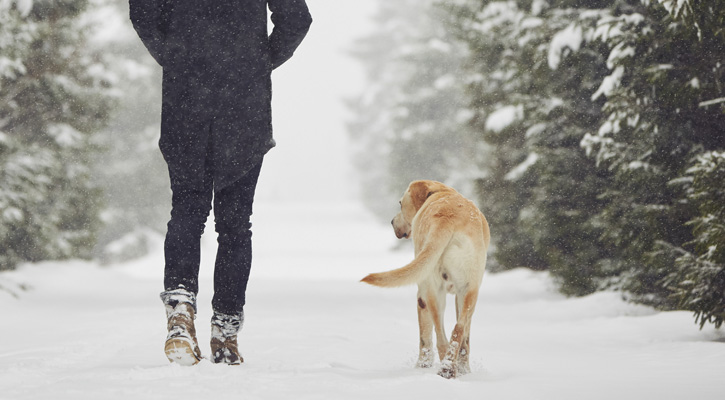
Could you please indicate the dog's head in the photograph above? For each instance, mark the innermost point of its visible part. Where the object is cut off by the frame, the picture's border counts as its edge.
(413, 199)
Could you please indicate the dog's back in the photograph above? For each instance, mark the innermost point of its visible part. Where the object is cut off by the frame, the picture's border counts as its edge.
(447, 230)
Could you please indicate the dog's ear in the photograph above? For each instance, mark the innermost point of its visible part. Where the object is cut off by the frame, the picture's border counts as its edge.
(419, 192)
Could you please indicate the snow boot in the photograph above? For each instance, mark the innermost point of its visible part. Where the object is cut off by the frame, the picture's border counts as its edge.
(224, 330)
(181, 345)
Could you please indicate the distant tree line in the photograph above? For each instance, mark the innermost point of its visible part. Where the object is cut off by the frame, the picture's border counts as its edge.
(52, 101)
(79, 166)
(591, 132)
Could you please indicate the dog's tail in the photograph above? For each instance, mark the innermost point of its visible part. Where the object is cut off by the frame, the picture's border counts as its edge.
(421, 266)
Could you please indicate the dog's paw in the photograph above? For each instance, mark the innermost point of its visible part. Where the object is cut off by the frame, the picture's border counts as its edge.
(447, 372)
(450, 369)
(425, 359)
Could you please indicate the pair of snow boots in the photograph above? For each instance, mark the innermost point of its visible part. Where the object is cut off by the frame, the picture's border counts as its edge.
(181, 345)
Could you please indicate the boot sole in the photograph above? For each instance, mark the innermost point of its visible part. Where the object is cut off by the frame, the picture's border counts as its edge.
(181, 352)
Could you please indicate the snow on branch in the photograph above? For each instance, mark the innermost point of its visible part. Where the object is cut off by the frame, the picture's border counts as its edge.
(712, 102)
(677, 8)
(570, 37)
(503, 117)
(519, 170)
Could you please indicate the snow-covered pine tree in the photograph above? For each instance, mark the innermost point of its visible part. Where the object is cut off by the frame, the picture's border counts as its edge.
(565, 68)
(697, 282)
(531, 73)
(53, 97)
(666, 67)
(494, 93)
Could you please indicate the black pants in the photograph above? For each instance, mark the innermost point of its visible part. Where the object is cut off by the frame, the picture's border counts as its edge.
(232, 212)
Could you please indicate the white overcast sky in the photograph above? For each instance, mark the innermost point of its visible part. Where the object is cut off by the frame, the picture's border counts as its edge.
(311, 162)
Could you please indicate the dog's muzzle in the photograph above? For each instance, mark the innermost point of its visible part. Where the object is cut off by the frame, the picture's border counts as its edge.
(400, 234)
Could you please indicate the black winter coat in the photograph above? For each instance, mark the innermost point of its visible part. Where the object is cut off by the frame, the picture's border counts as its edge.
(217, 59)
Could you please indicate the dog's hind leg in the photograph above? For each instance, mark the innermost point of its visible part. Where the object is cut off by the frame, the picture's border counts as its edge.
(463, 366)
(425, 324)
(452, 366)
(430, 315)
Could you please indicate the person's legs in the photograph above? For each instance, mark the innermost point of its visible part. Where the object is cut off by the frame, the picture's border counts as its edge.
(182, 251)
(182, 247)
(232, 212)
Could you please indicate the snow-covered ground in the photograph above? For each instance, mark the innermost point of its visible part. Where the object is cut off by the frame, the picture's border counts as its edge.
(82, 331)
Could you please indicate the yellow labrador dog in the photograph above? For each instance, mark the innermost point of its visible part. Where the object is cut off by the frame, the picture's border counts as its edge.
(451, 239)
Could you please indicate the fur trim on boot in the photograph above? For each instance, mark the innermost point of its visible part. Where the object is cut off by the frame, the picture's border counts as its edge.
(224, 330)
(181, 345)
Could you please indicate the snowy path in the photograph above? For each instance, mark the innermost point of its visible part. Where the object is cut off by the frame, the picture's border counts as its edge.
(314, 332)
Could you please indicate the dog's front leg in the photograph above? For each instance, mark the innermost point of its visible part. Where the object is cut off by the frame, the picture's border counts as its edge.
(438, 299)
